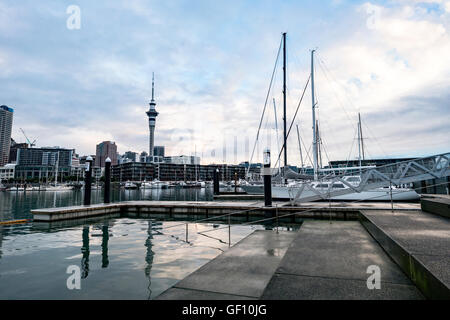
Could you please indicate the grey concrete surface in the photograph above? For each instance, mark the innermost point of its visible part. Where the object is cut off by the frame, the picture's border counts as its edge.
(330, 261)
(419, 242)
(436, 204)
(188, 294)
(340, 250)
(294, 287)
(244, 270)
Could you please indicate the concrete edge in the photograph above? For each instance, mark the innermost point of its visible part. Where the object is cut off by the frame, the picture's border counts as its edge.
(424, 279)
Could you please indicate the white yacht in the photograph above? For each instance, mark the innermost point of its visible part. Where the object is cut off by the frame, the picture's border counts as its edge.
(130, 185)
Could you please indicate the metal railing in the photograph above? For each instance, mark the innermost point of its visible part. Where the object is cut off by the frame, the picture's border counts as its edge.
(400, 173)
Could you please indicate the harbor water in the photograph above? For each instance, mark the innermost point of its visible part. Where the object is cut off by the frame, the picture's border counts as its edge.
(118, 258)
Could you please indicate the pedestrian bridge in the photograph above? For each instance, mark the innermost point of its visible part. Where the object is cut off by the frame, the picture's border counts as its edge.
(434, 167)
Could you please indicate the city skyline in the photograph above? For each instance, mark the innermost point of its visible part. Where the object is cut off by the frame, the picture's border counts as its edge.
(76, 88)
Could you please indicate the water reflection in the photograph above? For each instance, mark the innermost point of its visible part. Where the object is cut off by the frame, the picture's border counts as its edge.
(149, 257)
(85, 253)
(17, 205)
(105, 239)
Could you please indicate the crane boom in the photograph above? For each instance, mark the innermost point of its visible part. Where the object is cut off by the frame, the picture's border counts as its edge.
(32, 144)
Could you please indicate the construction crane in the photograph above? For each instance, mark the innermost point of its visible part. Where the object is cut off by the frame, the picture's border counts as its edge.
(32, 144)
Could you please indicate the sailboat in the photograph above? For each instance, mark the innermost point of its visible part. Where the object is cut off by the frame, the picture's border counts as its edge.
(289, 189)
(57, 187)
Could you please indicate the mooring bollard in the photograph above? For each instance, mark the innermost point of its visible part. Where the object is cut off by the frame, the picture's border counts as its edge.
(216, 182)
(87, 181)
(267, 179)
(107, 197)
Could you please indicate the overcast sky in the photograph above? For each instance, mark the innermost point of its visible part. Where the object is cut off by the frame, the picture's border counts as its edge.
(388, 60)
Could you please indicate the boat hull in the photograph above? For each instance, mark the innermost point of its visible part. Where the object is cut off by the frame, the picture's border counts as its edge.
(380, 194)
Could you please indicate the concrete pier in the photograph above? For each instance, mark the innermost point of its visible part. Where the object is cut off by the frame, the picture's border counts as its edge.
(242, 272)
(419, 242)
(192, 209)
(330, 261)
(322, 260)
(327, 258)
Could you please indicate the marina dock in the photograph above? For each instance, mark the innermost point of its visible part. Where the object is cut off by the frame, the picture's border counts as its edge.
(193, 209)
(327, 258)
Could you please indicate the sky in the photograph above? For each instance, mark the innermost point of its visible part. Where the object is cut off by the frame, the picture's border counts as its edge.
(79, 77)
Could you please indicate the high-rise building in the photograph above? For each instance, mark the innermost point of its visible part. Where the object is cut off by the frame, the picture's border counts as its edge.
(13, 150)
(105, 149)
(132, 156)
(152, 114)
(43, 162)
(158, 151)
(6, 120)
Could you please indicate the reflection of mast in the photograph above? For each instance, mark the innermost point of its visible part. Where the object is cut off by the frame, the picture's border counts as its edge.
(105, 238)
(149, 257)
(1, 240)
(85, 252)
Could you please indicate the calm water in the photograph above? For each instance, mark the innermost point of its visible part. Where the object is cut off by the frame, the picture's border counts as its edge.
(119, 258)
(17, 205)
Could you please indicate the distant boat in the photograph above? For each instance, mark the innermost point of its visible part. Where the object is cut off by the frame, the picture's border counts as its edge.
(130, 185)
(156, 184)
(58, 188)
(17, 188)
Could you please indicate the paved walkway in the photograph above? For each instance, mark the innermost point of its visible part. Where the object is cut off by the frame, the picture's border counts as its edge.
(322, 260)
(330, 261)
(242, 272)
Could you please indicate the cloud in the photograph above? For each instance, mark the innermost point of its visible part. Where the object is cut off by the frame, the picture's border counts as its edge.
(213, 63)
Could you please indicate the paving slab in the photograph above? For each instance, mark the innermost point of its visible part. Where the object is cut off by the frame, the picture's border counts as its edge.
(244, 270)
(330, 261)
(184, 294)
(293, 287)
(419, 242)
(340, 250)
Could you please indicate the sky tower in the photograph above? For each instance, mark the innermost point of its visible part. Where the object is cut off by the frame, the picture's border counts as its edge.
(152, 114)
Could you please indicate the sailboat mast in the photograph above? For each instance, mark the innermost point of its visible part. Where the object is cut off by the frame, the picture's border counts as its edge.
(276, 129)
(284, 99)
(359, 143)
(300, 148)
(361, 136)
(315, 160)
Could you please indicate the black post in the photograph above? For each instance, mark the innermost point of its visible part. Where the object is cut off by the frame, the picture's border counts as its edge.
(107, 197)
(267, 179)
(88, 181)
(216, 182)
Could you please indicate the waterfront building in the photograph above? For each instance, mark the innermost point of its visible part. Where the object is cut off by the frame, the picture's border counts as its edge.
(13, 150)
(7, 172)
(158, 151)
(131, 156)
(42, 163)
(139, 171)
(105, 149)
(182, 160)
(6, 121)
(152, 114)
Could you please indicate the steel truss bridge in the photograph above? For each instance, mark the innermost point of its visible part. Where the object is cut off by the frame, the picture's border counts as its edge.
(396, 174)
